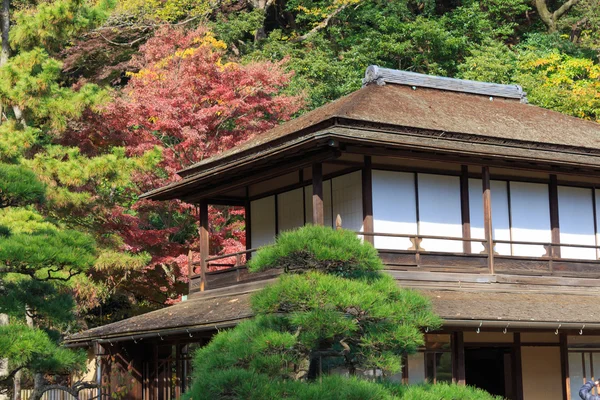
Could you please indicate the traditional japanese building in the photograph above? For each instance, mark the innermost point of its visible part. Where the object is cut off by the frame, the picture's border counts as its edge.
(486, 204)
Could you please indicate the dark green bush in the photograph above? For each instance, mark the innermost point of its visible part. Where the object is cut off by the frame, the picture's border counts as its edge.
(338, 252)
(315, 320)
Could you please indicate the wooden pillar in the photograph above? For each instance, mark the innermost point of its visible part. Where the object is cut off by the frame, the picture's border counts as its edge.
(248, 218)
(554, 224)
(204, 241)
(464, 208)
(317, 197)
(458, 357)
(564, 366)
(487, 216)
(517, 366)
(367, 199)
(155, 381)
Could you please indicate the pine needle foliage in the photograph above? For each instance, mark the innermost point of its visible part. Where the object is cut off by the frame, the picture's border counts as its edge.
(316, 247)
(333, 312)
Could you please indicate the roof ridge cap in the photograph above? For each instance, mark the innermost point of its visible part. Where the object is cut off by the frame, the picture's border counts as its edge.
(381, 76)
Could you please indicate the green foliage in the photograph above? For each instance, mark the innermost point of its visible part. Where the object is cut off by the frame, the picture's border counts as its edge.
(490, 62)
(30, 80)
(33, 349)
(52, 24)
(340, 252)
(19, 186)
(349, 317)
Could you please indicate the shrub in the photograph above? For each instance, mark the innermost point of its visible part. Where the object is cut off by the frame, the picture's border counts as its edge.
(333, 312)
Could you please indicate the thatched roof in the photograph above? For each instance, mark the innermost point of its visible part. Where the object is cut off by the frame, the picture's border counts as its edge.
(456, 307)
(405, 113)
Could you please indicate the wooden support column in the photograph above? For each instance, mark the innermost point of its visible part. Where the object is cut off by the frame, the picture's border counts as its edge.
(248, 218)
(464, 208)
(517, 366)
(487, 217)
(367, 199)
(554, 224)
(564, 366)
(204, 241)
(155, 381)
(317, 197)
(458, 357)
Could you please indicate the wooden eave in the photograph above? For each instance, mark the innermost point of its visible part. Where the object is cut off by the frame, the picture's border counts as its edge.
(394, 118)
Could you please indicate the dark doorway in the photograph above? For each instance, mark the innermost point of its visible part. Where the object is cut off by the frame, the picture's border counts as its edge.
(489, 368)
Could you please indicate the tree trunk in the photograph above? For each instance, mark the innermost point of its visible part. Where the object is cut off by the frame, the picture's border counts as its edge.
(5, 49)
(3, 362)
(5, 27)
(17, 386)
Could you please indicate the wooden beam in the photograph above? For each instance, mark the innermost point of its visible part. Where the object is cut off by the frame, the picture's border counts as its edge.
(317, 197)
(221, 184)
(204, 241)
(554, 224)
(464, 208)
(487, 216)
(564, 366)
(367, 198)
(458, 345)
(517, 366)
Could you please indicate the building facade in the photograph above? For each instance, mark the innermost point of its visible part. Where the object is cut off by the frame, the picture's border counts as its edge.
(485, 204)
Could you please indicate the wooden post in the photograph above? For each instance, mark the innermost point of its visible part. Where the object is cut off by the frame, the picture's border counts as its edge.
(190, 271)
(458, 353)
(248, 218)
(554, 224)
(464, 208)
(487, 216)
(564, 366)
(155, 362)
(317, 198)
(204, 242)
(517, 366)
(367, 199)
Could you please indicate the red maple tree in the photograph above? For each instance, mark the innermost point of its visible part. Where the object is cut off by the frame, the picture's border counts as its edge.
(188, 101)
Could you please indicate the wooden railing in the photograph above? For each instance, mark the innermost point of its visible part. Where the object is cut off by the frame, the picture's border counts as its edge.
(209, 273)
(213, 274)
(57, 394)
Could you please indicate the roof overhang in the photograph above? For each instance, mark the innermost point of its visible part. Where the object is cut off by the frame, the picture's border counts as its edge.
(348, 135)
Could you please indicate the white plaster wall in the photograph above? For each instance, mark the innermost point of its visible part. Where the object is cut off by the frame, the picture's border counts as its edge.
(347, 200)
(262, 214)
(290, 210)
(530, 217)
(500, 215)
(439, 211)
(576, 221)
(394, 208)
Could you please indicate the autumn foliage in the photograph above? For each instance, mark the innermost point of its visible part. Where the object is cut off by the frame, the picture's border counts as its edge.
(189, 104)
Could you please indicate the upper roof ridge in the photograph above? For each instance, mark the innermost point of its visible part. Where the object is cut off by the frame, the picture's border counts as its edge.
(381, 76)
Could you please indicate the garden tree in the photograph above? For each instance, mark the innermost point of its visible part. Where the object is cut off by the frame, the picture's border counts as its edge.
(38, 260)
(561, 79)
(551, 18)
(332, 311)
(184, 104)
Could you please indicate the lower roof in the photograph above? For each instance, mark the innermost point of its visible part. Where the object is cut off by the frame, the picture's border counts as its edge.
(458, 308)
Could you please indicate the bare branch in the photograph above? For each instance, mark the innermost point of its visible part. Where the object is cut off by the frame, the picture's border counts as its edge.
(325, 23)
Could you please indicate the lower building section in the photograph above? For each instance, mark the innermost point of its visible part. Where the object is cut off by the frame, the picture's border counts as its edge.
(526, 365)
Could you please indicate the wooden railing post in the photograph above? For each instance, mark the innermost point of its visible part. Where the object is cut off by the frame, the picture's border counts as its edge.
(487, 216)
(554, 224)
(190, 271)
(464, 208)
(204, 242)
(317, 197)
(367, 199)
